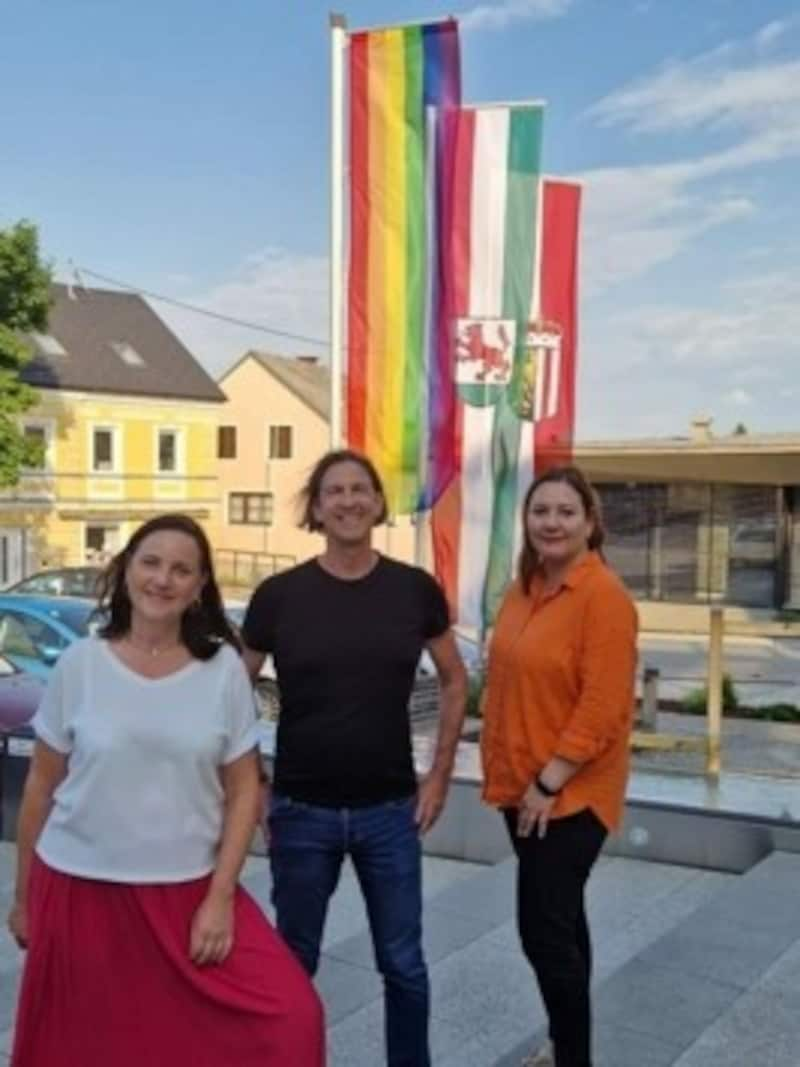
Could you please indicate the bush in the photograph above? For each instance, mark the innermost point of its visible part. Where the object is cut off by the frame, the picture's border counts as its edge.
(775, 713)
(695, 703)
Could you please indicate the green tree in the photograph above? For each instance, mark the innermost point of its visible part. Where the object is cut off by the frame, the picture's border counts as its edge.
(24, 302)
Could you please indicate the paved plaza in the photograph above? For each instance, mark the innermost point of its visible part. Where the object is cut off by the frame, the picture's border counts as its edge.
(693, 968)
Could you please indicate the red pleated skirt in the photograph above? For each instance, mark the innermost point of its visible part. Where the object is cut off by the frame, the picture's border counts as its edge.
(108, 983)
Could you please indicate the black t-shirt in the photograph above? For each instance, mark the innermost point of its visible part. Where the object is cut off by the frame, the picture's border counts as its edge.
(345, 653)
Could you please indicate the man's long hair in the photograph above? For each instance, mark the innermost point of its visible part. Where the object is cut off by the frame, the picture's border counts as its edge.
(308, 497)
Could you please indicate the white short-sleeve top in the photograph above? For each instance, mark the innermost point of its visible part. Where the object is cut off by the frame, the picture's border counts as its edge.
(142, 800)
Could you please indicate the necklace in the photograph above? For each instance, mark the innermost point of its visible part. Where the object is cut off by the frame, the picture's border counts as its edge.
(151, 650)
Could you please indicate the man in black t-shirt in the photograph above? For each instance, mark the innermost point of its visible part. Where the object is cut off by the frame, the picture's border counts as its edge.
(346, 631)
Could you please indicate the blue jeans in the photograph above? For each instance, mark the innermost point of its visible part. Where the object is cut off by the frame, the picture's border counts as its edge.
(307, 847)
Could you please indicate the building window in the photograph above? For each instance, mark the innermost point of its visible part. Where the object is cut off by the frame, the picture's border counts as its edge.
(101, 542)
(103, 458)
(37, 435)
(226, 442)
(127, 353)
(695, 542)
(47, 345)
(167, 451)
(280, 442)
(250, 509)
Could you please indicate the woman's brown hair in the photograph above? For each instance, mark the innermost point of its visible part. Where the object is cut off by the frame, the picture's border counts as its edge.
(204, 626)
(576, 480)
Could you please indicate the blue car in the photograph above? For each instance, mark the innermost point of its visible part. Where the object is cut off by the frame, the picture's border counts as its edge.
(35, 630)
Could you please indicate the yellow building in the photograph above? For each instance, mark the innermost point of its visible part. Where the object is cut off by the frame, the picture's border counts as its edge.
(128, 420)
(274, 426)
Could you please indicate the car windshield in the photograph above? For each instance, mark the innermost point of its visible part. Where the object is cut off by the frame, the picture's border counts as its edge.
(76, 616)
(82, 583)
(74, 581)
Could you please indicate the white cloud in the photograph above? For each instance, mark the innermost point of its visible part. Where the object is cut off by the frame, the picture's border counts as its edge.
(738, 398)
(276, 288)
(753, 321)
(640, 216)
(649, 368)
(772, 32)
(704, 92)
(499, 15)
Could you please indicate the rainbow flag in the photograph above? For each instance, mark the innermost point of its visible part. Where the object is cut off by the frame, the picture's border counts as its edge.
(397, 380)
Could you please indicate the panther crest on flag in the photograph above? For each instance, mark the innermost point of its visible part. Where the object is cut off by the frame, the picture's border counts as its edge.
(484, 358)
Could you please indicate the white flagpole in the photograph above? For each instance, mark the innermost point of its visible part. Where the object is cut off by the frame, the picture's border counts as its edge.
(338, 25)
(421, 534)
(421, 527)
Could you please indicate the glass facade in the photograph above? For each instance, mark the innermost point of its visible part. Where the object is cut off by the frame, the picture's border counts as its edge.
(697, 541)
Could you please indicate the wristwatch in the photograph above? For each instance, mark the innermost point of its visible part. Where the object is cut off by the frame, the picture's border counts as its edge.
(544, 789)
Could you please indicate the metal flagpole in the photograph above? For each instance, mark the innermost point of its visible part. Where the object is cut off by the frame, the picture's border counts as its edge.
(421, 530)
(421, 516)
(338, 25)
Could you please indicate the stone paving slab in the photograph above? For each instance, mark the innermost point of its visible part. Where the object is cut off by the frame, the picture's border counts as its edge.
(444, 933)
(345, 987)
(761, 1029)
(650, 1000)
(361, 1035)
(717, 947)
(619, 1046)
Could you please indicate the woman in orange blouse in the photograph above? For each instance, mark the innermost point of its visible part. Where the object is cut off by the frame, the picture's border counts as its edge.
(557, 718)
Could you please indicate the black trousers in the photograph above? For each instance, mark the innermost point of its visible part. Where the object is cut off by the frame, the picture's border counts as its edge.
(551, 917)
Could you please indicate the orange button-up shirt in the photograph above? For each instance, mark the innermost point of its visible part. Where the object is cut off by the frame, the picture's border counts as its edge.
(561, 683)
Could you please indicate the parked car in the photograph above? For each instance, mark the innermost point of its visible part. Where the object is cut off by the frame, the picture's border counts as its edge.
(34, 631)
(20, 694)
(469, 649)
(266, 689)
(64, 581)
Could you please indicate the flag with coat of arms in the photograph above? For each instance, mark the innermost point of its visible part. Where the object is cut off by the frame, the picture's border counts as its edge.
(510, 270)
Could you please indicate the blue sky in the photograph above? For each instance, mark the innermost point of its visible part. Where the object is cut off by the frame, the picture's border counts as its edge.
(182, 145)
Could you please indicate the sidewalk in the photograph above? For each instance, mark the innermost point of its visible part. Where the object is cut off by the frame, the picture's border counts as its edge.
(662, 616)
(748, 746)
(693, 969)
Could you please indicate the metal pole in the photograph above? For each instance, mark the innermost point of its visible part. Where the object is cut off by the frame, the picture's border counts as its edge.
(389, 538)
(650, 698)
(421, 538)
(714, 689)
(338, 25)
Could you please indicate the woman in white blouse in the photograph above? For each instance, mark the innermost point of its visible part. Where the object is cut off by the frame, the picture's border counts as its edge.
(137, 814)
